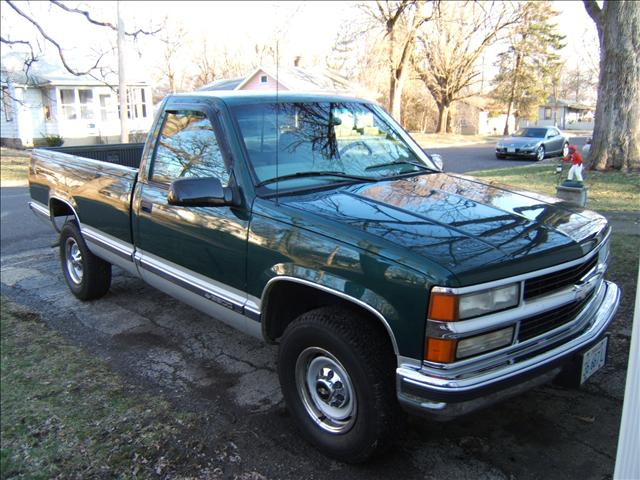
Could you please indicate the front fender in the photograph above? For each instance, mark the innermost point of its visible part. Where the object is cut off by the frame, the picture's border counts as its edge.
(395, 294)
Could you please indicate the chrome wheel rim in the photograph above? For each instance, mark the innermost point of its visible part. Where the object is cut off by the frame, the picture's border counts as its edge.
(73, 257)
(540, 153)
(326, 390)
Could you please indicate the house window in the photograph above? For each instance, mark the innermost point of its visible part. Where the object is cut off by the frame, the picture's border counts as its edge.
(68, 103)
(77, 103)
(547, 113)
(86, 104)
(107, 107)
(136, 103)
(7, 104)
(263, 79)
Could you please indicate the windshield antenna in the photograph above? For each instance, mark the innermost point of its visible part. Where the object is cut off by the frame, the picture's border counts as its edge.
(277, 119)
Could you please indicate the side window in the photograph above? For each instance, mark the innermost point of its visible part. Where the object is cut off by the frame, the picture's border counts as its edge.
(187, 148)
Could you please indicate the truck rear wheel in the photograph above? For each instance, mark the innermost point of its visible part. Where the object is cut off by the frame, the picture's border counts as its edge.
(337, 374)
(87, 276)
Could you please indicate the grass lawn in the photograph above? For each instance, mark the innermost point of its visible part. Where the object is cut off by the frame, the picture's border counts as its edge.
(66, 414)
(14, 165)
(608, 191)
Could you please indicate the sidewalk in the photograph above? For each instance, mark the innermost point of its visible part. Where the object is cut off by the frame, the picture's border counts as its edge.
(623, 222)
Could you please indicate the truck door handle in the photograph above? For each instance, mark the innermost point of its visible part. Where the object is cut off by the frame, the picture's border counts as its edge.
(146, 206)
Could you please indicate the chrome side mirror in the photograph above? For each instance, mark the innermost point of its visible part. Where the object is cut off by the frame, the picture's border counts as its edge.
(437, 160)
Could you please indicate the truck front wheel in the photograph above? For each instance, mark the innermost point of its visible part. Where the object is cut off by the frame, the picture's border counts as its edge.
(337, 374)
(88, 276)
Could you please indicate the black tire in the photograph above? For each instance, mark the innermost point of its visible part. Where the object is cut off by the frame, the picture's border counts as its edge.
(363, 351)
(499, 156)
(87, 276)
(540, 153)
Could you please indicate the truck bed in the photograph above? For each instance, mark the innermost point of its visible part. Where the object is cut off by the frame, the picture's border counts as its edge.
(95, 180)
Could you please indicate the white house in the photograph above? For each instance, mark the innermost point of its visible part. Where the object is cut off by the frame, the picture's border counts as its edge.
(49, 101)
(566, 115)
(479, 115)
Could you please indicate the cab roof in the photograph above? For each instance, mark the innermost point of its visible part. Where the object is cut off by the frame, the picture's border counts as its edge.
(242, 97)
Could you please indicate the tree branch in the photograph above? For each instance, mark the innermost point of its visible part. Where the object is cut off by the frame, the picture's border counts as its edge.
(594, 11)
(54, 43)
(87, 15)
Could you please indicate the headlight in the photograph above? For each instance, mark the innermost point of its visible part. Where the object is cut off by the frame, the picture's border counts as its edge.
(448, 307)
(484, 343)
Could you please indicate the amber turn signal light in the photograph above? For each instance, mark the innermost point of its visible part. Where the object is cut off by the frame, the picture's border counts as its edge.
(440, 350)
(443, 306)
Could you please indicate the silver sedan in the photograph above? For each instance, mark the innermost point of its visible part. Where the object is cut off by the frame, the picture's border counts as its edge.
(535, 143)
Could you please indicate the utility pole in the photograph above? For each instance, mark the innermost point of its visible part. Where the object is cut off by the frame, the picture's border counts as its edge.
(122, 86)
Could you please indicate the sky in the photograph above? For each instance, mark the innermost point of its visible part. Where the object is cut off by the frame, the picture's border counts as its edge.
(308, 28)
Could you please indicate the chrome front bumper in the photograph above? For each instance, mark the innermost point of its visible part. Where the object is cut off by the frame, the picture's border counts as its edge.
(445, 395)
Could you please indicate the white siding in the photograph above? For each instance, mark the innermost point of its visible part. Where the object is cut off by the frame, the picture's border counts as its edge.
(627, 459)
(9, 128)
(34, 112)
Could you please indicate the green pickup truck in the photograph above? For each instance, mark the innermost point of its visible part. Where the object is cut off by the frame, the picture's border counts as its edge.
(317, 222)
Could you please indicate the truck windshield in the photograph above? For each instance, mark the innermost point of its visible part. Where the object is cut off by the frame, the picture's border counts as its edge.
(352, 140)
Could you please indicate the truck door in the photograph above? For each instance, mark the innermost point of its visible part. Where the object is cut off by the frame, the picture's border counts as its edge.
(197, 254)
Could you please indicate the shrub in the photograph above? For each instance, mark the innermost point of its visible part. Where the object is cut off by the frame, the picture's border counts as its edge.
(53, 140)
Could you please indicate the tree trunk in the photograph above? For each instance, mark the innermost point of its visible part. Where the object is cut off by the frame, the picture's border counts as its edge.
(396, 98)
(512, 95)
(443, 118)
(616, 135)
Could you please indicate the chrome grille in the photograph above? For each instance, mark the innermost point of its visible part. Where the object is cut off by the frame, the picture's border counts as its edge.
(547, 321)
(537, 286)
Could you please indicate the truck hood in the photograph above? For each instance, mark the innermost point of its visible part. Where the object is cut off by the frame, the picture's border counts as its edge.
(459, 223)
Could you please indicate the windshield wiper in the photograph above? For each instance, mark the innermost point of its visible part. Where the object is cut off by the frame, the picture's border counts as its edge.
(401, 162)
(317, 174)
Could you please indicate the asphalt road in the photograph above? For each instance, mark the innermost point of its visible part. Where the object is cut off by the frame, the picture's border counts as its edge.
(481, 156)
(20, 230)
(202, 365)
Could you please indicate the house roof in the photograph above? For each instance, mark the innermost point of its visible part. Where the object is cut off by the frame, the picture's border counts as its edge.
(43, 73)
(567, 103)
(482, 103)
(292, 78)
(225, 84)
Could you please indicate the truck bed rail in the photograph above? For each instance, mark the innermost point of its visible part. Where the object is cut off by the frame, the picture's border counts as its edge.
(125, 154)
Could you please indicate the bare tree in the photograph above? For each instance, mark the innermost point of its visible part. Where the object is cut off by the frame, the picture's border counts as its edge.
(97, 69)
(446, 59)
(530, 62)
(173, 38)
(35, 48)
(401, 21)
(616, 136)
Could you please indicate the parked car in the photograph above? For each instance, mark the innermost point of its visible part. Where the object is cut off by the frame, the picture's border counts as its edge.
(317, 222)
(533, 142)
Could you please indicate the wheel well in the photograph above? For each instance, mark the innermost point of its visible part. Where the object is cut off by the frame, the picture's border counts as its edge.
(280, 310)
(59, 208)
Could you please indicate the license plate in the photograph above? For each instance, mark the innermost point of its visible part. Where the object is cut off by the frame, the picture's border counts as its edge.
(593, 359)
(511, 150)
